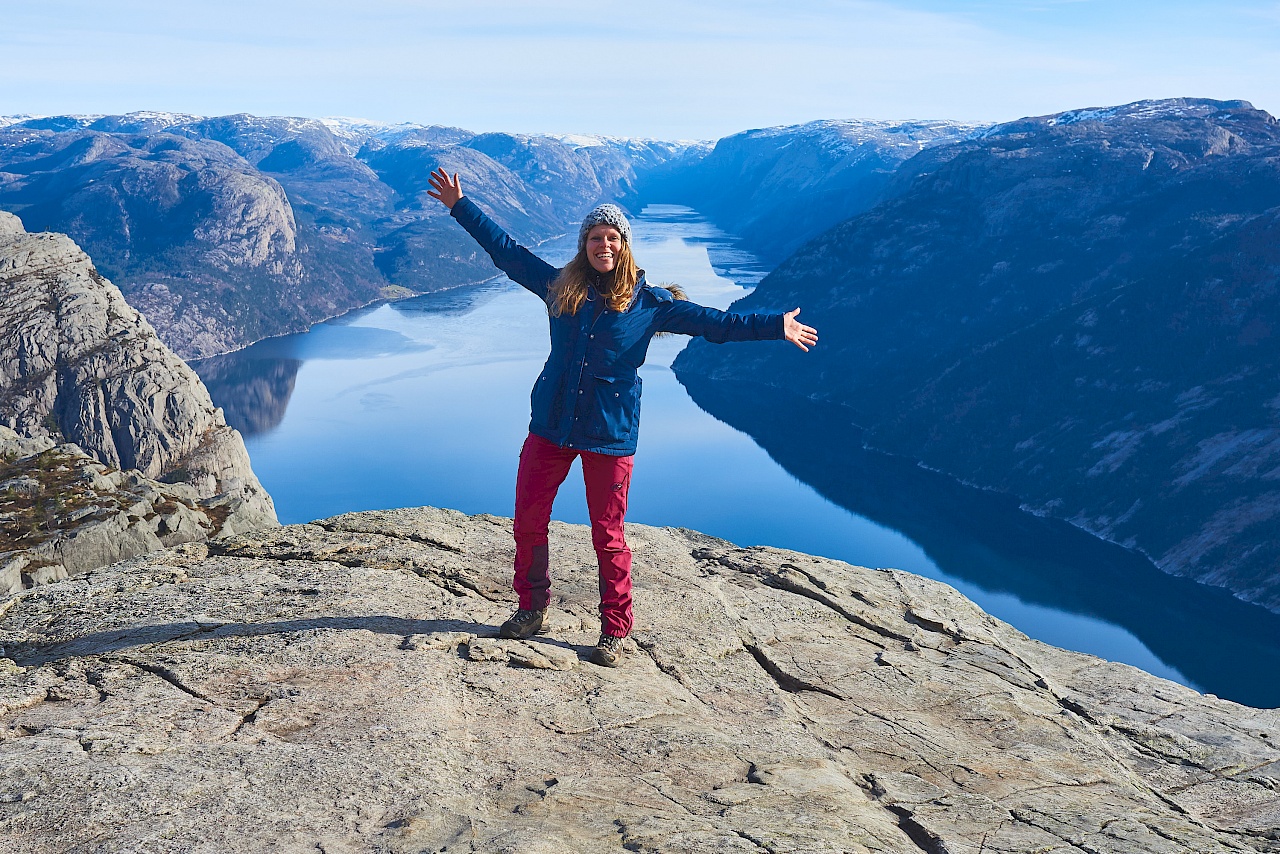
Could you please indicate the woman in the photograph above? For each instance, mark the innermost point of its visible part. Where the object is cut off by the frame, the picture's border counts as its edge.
(586, 402)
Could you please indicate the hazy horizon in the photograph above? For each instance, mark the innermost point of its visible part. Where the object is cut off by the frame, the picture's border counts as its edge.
(663, 70)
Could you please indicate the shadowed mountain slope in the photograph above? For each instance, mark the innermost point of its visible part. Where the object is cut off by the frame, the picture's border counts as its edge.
(1078, 310)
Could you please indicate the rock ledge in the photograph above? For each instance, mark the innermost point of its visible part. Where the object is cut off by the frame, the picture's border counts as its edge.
(338, 686)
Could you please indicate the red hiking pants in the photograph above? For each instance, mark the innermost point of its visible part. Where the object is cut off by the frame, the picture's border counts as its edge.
(543, 467)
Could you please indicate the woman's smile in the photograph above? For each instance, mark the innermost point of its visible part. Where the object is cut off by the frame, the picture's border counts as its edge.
(604, 242)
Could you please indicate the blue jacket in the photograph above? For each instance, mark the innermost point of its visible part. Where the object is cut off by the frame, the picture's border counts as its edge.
(588, 395)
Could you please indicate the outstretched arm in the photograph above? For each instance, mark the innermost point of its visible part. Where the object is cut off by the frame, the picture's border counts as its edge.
(797, 333)
(689, 318)
(510, 257)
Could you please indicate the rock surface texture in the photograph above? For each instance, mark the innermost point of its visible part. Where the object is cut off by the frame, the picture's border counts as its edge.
(1078, 310)
(338, 686)
(79, 366)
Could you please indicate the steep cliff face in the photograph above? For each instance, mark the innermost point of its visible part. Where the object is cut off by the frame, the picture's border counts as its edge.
(1076, 309)
(79, 365)
(226, 230)
(339, 685)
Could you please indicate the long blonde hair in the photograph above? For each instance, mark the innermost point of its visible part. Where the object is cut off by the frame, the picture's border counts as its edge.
(569, 290)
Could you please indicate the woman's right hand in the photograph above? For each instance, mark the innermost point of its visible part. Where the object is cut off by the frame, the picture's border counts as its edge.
(797, 333)
(447, 190)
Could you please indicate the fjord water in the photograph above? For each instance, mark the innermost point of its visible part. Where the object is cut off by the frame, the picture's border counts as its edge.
(426, 401)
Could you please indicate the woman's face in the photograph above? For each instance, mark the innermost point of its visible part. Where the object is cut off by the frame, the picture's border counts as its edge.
(604, 242)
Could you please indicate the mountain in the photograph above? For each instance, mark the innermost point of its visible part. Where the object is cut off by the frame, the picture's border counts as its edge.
(778, 187)
(226, 230)
(339, 686)
(111, 445)
(1077, 310)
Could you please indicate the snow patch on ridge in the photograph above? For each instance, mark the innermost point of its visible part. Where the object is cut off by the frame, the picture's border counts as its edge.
(1171, 108)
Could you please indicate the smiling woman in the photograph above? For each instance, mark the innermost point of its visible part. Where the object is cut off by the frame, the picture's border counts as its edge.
(604, 258)
(586, 402)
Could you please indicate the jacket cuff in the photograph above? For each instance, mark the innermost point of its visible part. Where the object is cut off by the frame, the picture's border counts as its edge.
(464, 210)
(780, 329)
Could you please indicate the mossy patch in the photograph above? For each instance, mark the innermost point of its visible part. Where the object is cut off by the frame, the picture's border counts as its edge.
(28, 519)
(62, 494)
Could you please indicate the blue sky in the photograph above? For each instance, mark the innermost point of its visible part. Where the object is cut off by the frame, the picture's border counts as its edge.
(664, 69)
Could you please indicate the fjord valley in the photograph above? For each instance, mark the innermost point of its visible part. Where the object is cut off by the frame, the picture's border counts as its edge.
(178, 672)
(928, 253)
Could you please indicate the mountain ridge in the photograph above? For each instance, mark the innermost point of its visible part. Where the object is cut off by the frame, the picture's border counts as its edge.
(1065, 311)
(230, 229)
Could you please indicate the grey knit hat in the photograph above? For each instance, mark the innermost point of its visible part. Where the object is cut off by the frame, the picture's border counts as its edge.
(604, 215)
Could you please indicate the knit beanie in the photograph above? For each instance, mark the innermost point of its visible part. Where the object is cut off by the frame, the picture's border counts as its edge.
(605, 215)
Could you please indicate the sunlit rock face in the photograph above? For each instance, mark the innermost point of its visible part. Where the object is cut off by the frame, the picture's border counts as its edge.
(340, 684)
(110, 411)
(1076, 309)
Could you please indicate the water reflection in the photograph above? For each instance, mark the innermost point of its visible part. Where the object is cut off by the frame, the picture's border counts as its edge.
(1215, 640)
(726, 258)
(253, 393)
(253, 385)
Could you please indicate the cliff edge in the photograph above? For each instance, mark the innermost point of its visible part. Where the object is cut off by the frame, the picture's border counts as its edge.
(85, 383)
(338, 686)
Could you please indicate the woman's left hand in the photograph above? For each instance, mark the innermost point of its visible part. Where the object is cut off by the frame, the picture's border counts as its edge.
(797, 333)
(447, 190)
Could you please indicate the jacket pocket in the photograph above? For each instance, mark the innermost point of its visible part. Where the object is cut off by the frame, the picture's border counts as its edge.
(543, 403)
(617, 408)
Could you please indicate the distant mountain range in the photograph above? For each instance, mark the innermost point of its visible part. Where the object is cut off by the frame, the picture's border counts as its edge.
(1079, 310)
(778, 187)
(227, 230)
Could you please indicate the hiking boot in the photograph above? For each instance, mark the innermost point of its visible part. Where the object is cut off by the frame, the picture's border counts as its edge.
(523, 624)
(608, 652)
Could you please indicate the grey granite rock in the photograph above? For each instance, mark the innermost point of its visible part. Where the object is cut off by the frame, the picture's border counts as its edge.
(63, 513)
(339, 686)
(82, 370)
(77, 362)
